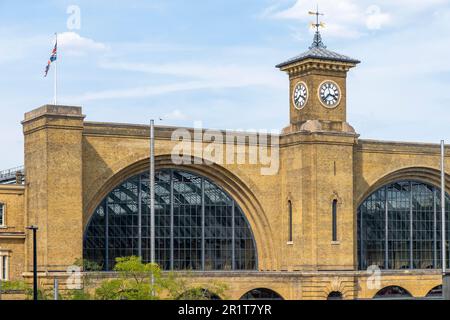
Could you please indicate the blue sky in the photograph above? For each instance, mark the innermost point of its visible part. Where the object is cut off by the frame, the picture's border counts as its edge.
(213, 61)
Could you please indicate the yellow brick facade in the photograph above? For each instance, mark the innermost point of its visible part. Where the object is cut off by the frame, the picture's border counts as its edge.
(72, 164)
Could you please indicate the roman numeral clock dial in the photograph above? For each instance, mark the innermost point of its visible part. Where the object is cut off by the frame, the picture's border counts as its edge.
(329, 94)
(300, 95)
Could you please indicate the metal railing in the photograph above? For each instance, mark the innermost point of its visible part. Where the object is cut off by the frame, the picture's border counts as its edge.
(11, 175)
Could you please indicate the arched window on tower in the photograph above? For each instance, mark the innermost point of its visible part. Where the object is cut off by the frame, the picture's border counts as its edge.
(334, 220)
(290, 231)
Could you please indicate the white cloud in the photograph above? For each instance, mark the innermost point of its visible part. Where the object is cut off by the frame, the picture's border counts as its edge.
(375, 18)
(239, 75)
(147, 91)
(351, 18)
(17, 48)
(341, 18)
(176, 115)
(137, 92)
(201, 76)
(71, 43)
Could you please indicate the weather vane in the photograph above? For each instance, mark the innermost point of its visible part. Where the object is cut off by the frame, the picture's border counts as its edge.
(317, 43)
(318, 23)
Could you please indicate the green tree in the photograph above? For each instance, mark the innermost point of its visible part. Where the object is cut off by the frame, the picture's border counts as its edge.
(184, 288)
(135, 282)
(88, 265)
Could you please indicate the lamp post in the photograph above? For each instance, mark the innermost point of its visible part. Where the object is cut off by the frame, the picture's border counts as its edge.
(35, 288)
(445, 275)
(152, 198)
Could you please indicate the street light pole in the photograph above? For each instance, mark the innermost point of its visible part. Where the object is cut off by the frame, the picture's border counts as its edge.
(152, 198)
(443, 220)
(445, 275)
(35, 287)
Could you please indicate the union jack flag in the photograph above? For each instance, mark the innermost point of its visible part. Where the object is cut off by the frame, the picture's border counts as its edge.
(52, 58)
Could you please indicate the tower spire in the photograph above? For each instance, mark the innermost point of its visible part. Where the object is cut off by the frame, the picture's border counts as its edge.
(317, 41)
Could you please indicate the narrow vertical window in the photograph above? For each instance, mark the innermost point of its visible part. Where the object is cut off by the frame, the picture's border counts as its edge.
(290, 238)
(334, 218)
(2, 215)
(3, 267)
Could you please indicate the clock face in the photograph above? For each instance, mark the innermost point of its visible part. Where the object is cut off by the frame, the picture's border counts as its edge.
(300, 95)
(329, 94)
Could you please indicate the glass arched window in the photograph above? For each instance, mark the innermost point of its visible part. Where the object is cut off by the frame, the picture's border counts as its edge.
(393, 292)
(436, 292)
(399, 227)
(198, 226)
(261, 294)
(335, 295)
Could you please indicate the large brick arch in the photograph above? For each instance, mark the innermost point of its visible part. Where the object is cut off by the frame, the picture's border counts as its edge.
(222, 177)
(423, 174)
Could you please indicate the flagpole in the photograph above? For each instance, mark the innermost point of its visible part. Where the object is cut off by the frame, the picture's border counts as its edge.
(56, 73)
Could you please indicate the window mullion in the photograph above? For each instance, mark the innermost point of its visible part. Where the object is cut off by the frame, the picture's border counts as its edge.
(386, 228)
(171, 221)
(139, 217)
(411, 260)
(233, 238)
(362, 263)
(434, 229)
(106, 267)
(203, 223)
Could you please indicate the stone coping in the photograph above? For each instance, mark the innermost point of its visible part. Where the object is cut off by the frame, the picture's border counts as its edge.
(54, 110)
(231, 274)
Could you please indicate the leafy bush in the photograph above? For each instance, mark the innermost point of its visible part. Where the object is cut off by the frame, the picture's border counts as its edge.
(135, 283)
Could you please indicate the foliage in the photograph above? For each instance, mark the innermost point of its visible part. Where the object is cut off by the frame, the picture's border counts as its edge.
(135, 283)
(80, 294)
(183, 289)
(88, 265)
(14, 286)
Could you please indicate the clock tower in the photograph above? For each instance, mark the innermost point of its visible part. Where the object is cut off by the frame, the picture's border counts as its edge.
(317, 81)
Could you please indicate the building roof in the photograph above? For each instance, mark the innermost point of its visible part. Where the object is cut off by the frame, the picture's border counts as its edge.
(318, 51)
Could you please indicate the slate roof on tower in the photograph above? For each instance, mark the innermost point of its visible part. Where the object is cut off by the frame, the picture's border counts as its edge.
(318, 51)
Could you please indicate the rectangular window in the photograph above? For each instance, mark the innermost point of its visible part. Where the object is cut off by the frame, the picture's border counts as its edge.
(290, 235)
(2, 215)
(334, 218)
(4, 267)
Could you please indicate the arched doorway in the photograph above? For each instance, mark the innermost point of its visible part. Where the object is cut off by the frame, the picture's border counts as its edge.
(261, 294)
(198, 226)
(393, 292)
(335, 295)
(399, 227)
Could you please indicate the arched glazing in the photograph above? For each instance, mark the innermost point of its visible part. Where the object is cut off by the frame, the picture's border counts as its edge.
(197, 225)
(399, 227)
